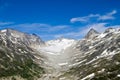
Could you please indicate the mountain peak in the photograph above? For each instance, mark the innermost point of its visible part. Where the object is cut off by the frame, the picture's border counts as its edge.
(91, 33)
(19, 37)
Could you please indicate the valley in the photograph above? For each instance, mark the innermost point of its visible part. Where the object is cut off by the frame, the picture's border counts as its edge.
(95, 57)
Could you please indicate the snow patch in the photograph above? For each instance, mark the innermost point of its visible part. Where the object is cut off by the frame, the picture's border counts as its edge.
(118, 75)
(3, 30)
(63, 78)
(77, 63)
(101, 71)
(61, 64)
(91, 61)
(89, 76)
(106, 53)
(102, 35)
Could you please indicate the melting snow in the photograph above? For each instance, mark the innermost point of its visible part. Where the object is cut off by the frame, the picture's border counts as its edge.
(89, 76)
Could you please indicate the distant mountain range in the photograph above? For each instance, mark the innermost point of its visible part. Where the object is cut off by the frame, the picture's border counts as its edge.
(27, 57)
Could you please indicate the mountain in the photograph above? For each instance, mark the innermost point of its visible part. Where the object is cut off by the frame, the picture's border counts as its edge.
(97, 59)
(17, 58)
(31, 40)
(91, 34)
(25, 56)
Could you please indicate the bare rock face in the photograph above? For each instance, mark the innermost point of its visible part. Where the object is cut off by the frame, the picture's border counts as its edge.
(91, 34)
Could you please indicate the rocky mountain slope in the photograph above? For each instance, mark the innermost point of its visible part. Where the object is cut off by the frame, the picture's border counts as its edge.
(17, 58)
(25, 56)
(98, 57)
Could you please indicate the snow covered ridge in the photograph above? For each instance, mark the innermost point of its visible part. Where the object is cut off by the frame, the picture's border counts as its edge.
(93, 33)
(18, 37)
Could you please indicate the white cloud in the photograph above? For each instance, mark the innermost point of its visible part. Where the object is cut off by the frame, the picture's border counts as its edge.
(100, 27)
(83, 19)
(115, 26)
(107, 16)
(47, 31)
(58, 27)
(81, 32)
(5, 23)
(38, 27)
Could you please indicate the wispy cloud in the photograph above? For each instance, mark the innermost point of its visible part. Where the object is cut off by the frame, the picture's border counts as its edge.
(6, 23)
(100, 27)
(38, 27)
(58, 27)
(47, 31)
(107, 16)
(83, 19)
(81, 32)
(99, 24)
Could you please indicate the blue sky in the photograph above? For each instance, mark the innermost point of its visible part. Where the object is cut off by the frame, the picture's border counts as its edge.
(52, 19)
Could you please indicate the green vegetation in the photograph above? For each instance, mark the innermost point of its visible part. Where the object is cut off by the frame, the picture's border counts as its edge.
(28, 70)
(20, 64)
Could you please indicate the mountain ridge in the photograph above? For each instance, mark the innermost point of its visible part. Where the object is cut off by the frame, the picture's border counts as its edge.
(74, 60)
